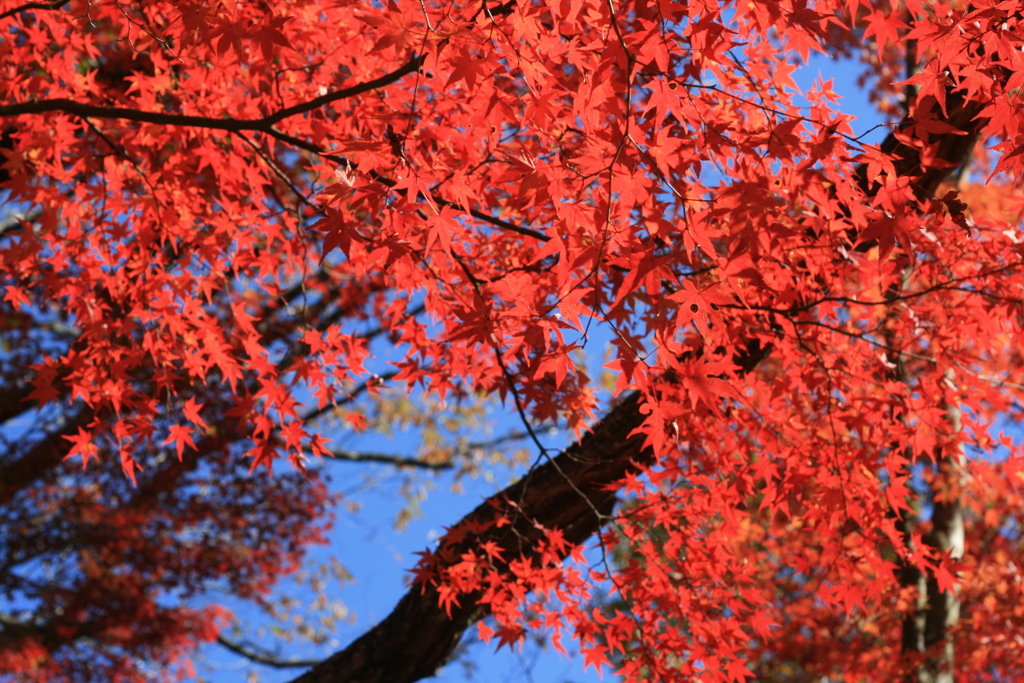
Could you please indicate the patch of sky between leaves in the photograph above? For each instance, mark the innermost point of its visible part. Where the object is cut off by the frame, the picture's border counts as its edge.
(868, 126)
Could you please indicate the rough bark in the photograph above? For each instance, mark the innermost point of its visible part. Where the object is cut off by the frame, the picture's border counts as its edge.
(928, 630)
(569, 493)
(949, 147)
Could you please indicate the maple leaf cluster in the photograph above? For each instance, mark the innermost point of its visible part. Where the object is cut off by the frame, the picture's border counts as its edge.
(218, 213)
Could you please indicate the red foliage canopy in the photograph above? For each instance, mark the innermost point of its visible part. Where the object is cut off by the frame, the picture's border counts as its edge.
(215, 205)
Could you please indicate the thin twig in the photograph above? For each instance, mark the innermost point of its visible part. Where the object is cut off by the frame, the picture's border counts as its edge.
(259, 656)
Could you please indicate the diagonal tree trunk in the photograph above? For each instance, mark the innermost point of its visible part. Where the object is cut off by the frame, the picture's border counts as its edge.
(418, 637)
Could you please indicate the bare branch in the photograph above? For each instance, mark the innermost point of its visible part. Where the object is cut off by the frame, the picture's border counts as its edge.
(265, 124)
(388, 459)
(34, 5)
(260, 656)
(407, 461)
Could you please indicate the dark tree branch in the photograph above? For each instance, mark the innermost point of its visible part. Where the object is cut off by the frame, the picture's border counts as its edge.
(418, 637)
(263, 125)
(230, 125)
(14, 401)
(34, 5)
(479, 215)
(349, 396)
(45, 455)
(388, 459)
(263, 657)
(954, 148)
(406, 461)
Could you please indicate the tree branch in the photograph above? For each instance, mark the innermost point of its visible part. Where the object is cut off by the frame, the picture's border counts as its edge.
(264, 125)
(406, 461)
(34, 5)
(263, 657)
(417, 638)
(388, 459)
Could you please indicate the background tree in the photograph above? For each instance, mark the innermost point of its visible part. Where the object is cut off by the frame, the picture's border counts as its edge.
(223, 217)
